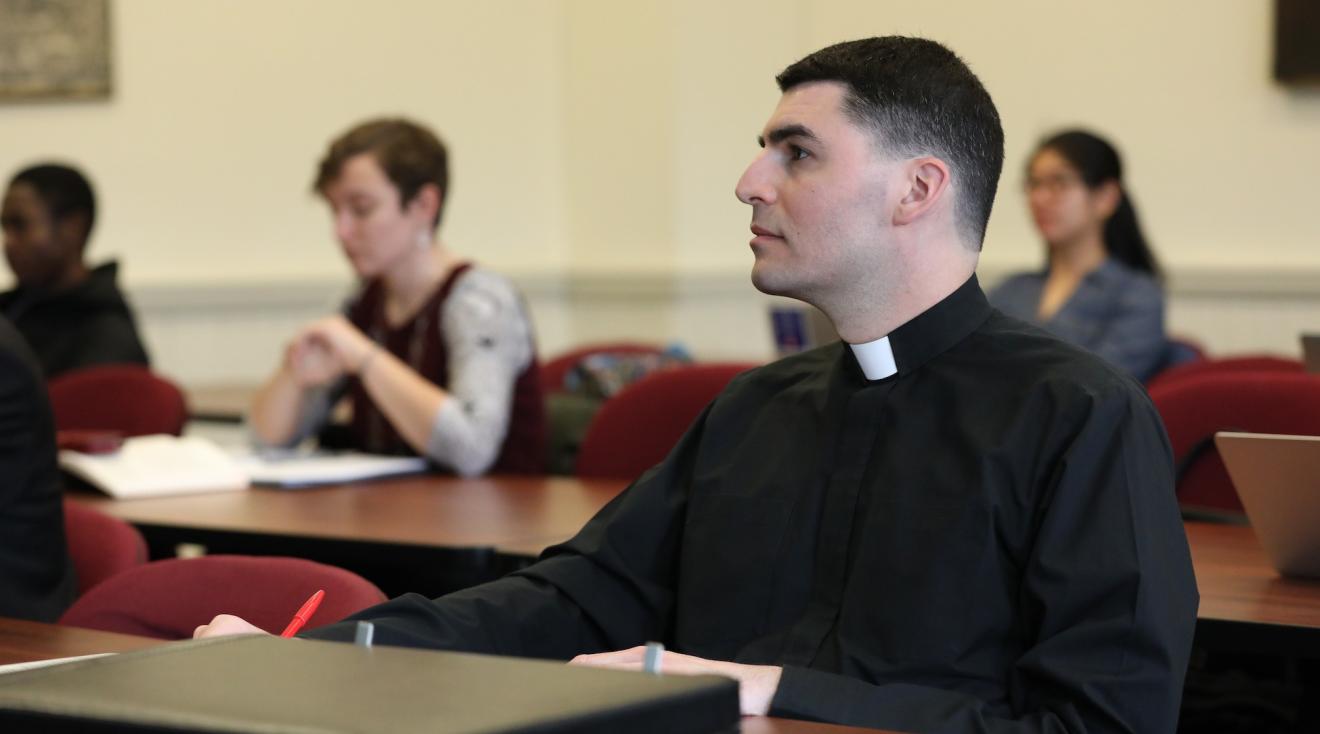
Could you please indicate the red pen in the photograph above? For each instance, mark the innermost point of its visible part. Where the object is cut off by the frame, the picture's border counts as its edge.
(305, 613)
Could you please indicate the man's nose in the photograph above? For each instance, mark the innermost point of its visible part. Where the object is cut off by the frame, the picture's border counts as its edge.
(757, 184)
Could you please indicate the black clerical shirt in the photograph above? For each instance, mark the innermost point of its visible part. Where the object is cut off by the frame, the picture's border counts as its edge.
(986, 541)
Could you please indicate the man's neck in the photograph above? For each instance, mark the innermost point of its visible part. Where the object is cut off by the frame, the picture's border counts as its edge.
(877, 311)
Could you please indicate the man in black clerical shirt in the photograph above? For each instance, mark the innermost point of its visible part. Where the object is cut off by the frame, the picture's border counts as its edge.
(951, 521)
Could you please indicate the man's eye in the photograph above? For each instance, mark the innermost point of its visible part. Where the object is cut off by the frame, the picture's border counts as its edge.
(796, 153)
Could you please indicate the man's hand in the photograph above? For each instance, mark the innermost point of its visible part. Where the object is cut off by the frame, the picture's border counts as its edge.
(227, 624)
(756, 683)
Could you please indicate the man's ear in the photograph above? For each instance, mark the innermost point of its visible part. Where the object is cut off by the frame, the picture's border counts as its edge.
(927, 182)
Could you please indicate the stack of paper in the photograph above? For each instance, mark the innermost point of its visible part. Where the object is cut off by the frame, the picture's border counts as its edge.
(151, 466)
(307, 469)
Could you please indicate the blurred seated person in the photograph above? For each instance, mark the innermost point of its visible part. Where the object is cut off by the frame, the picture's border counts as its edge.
(70, 315)
(36, 575)
(1100, 288)
(434, 354)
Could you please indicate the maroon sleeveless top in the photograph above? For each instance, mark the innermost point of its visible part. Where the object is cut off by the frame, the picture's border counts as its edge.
(420, 343)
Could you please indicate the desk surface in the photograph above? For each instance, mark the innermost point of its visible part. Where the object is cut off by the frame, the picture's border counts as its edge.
(1239, 586)
(522, 515)
(220, 401)
(22, 641)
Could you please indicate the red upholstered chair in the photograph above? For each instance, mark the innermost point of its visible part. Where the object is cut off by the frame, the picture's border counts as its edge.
(1195, 407)
(1239, 363)
(100, 545)
(127, 398)
(554, 371)
(635, 429)
(168, 599)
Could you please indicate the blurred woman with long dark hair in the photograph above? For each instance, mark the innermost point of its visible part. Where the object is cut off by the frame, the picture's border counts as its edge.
(1101, 285)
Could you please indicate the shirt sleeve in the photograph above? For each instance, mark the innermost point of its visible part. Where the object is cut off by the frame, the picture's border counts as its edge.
(609, 588)
(489, 344)
(1134, 338)
(1107, 602)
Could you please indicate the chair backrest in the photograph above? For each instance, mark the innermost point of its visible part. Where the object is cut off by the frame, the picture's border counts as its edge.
(554, 371)
(1178, 351)
(1185, 349)
(1194, 408)
(127, 398)
(169, 599)
(100, 545)
(635, 429)
(1239, 363)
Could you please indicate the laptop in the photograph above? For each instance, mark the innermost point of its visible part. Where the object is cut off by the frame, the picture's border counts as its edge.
(798, 327)
(1277, 478)
(1311, 352)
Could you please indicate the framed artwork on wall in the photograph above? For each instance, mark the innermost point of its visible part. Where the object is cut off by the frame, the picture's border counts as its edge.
(54, 49)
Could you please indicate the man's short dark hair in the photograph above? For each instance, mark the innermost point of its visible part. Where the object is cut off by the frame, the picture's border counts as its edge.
(64, 191)
(410, 155)
(920, 99)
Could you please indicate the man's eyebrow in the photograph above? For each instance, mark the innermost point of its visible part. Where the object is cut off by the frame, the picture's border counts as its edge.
(780, 134)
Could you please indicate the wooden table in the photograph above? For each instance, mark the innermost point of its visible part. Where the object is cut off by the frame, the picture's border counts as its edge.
(226, 402)
(451, 532)
(22, 641)
(430, 534)
(1245, 605)
(425, 510)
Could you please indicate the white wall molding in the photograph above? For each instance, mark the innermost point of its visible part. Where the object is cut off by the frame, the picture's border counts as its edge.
(218, 332)
(1253, 283)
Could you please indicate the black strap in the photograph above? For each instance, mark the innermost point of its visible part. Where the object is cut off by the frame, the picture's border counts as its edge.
(1200, 450)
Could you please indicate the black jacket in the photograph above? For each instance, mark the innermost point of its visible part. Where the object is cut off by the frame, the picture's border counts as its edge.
(85, 325)
(36, 576)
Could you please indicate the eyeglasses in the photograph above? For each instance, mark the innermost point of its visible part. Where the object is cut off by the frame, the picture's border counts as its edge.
(1051, 184)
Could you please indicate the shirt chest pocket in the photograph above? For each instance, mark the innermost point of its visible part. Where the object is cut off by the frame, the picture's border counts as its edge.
(730, 547)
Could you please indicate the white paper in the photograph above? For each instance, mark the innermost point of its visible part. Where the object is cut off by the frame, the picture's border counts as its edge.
(152, 466)
(30, 665)
(293, 469)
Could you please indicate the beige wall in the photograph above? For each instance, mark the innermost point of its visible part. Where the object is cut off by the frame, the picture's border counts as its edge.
(597, 138)
(204, 156)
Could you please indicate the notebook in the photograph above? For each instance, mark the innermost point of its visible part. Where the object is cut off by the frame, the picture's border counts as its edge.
(152, 466)
(1311, 352)
(303, 469)
(268, 684)
(1277, 478)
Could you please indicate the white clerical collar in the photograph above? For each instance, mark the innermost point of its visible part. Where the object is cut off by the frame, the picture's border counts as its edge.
(876, 358)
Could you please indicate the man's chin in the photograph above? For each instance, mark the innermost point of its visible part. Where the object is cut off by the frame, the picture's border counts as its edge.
(772, 283)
